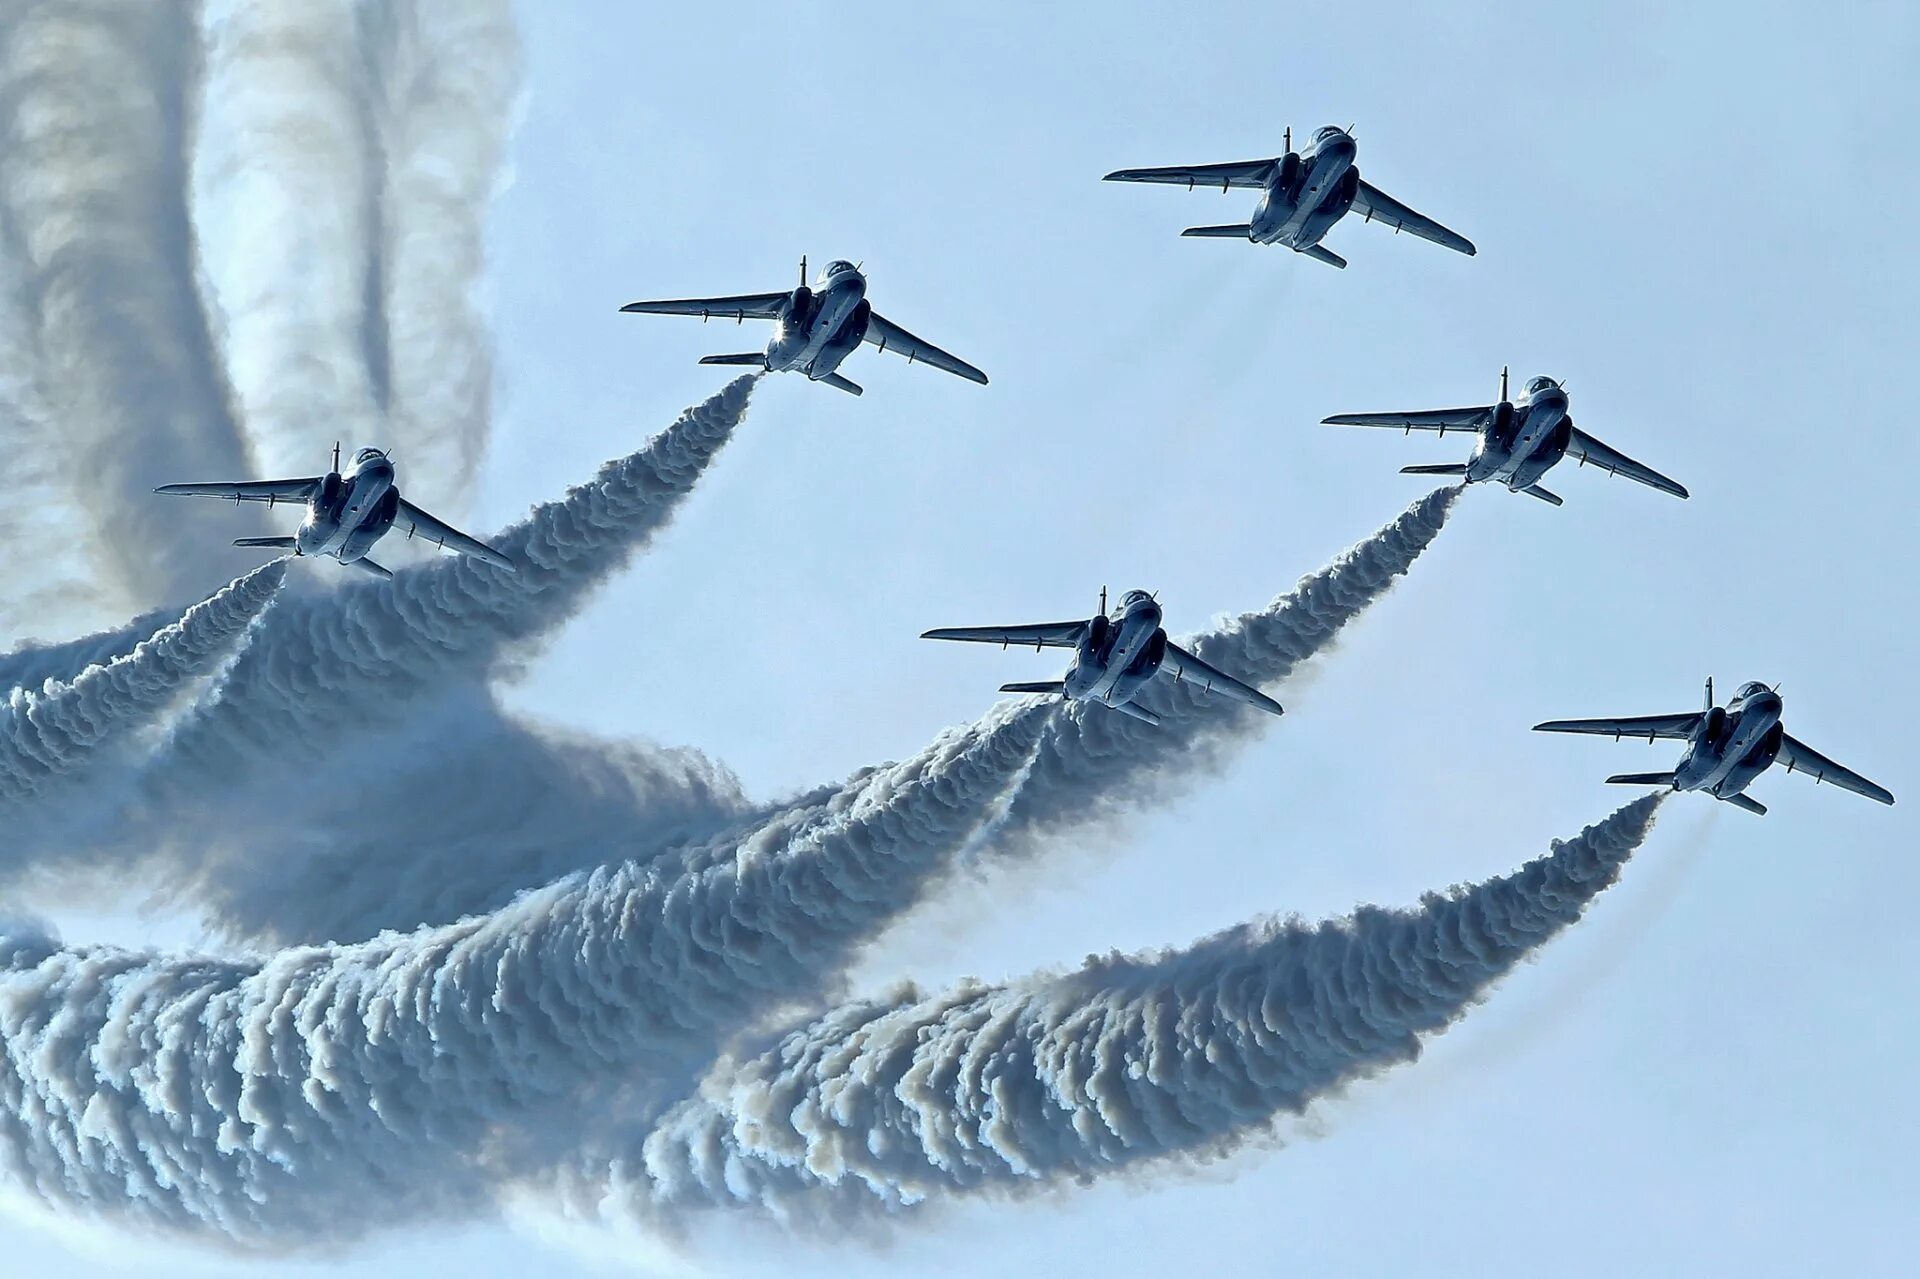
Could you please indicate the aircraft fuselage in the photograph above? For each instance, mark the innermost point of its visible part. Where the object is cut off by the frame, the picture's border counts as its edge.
(820, 326)
(1120, 652)
(1308, 192)
(1733, 745)
(1525, 439)
(351, 511)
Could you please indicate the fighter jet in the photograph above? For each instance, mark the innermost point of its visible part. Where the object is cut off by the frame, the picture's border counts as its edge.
(1302, 196)
(1115, 656)
(1519, 442)
(1727, 747)
(346, 513)
(814, 329)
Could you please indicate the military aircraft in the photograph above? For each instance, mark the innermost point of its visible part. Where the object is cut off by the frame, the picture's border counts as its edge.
(346, 513)
(1727, 747)
(1115, 656)
(1302, 196)
(1519, 442)
(814, 328)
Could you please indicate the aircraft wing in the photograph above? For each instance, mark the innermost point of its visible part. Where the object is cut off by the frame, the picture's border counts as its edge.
(250, 490)
(1376, 205)
(1468, 419)
(888, 336)
(1189, 669)
(1043, 635)
(1647, 726)
(1802, 758)
(1236, 173)
(1590, 450)
(746, 306)
(420, 524)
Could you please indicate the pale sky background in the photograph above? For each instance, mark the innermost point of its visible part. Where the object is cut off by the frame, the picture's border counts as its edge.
(1701, 222)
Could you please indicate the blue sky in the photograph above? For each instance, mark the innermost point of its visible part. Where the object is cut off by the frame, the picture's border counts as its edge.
(1700, 221)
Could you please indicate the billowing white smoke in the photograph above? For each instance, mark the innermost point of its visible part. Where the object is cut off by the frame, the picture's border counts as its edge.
(93, 194)
(1130, 1059)
(46, 732)
(1100, 765)
(449, 80)
(361, 653)
(286, 187)
(330, 1089)
(31, 665)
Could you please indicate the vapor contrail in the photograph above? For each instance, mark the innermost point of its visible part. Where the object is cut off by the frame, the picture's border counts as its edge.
(260, 1098)
(450, 87)
(1099, 765)
(1058, 1079)
(286, 189)
(33, 664)
(46, 732)
(93, 205)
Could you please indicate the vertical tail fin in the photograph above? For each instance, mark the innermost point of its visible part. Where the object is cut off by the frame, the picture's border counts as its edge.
(1503, 384)
(1709, 705)
(803, 270)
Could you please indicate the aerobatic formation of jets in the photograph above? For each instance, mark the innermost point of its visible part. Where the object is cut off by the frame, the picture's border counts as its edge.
(1123, 653)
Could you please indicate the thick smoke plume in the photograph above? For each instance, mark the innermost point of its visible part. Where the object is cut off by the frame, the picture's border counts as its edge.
(32, 665)
(93, 132)
(1053, 1080)
(46, 732)
(328, 1089)
(1100, 765)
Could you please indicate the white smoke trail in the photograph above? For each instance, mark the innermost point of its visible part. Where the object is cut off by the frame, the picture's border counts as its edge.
(1099, 765)
(45, 733)
(364, 652)
(330, 1089)
(93, 206)
(286, 181)
(1127, 1061)
(450, 78)
(33, 664)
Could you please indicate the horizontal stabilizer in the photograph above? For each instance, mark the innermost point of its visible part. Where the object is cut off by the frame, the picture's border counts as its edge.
(1437, 468)
(366, 565)
(839, 383)
(1642, 779)
(281, 543)
(1536, 491)
(752, 359)
(1320, 253)
(1138, 712)
(1753, 806)
(1233, 231)
(1036, 686)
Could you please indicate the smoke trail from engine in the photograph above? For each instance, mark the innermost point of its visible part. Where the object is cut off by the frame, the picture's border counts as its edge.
(96, 237)
(33, 664)
(1099, 765)
(46, 733)
(327, 1090)
(1129, 1060)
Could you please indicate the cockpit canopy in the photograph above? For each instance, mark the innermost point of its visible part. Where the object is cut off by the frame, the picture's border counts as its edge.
(1134, 597)
(1753, 689)
(365, 455)
(836, 266)
(1327, 131)
(1536, 385)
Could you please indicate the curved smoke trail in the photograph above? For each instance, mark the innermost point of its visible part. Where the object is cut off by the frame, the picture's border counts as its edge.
(94, 106)
(262, 1099)
(34, 664)
(451, 79)
(46, 733)
(285, 188)
(1057, 1079)
(1100, 765)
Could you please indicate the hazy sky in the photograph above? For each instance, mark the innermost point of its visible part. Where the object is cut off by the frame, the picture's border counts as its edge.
(1702, 223)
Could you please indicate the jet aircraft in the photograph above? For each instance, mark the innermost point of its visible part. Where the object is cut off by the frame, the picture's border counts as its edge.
(1301, 197)
(346, 513)
(1519, 442)
(1115, 656)
(814, 328)
(1727, 747)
